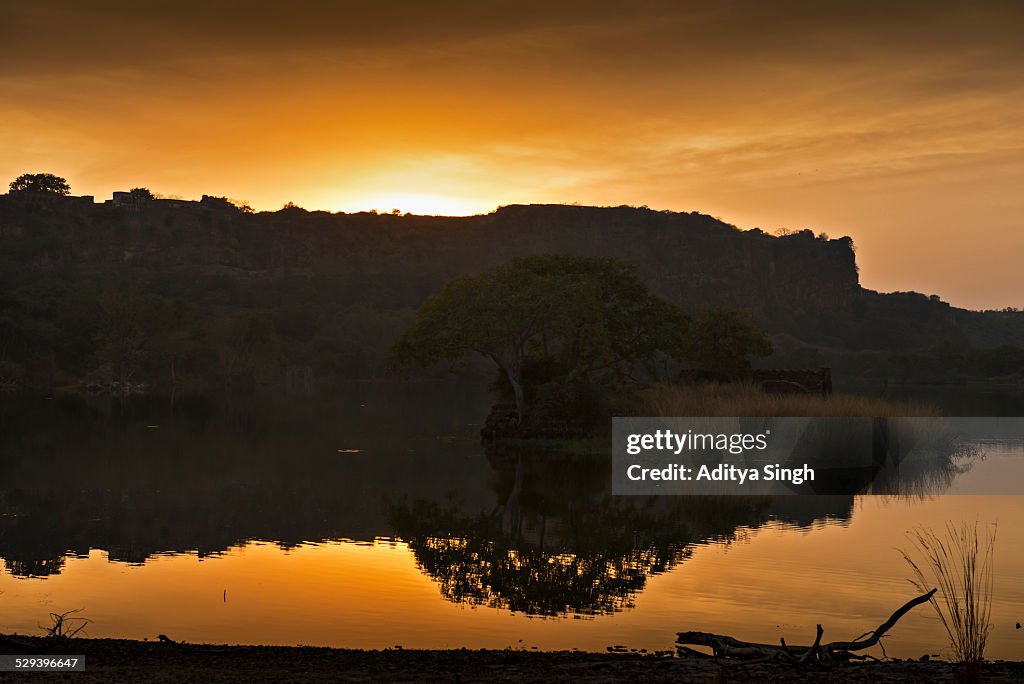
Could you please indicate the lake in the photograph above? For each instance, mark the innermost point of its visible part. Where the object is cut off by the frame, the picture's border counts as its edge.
(379, 520)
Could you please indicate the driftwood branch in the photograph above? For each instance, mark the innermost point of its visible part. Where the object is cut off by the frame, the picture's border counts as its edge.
(815, 647)
(723, 646)
(861, 644)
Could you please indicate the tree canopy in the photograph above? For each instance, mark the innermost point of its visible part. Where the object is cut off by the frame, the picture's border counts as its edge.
(722, 341)
(588, 318)
(43, 183)
(555, 541)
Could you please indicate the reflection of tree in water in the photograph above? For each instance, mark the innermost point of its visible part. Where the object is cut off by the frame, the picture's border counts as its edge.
(557, 541)
(35, 567)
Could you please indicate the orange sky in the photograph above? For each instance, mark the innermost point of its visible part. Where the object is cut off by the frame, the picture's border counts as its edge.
(903, 128)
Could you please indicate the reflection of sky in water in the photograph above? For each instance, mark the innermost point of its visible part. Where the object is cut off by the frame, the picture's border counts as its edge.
(778, 580)
(149, 496)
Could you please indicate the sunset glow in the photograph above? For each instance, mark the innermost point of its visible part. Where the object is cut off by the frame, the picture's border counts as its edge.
(416, 203)
(901, 127)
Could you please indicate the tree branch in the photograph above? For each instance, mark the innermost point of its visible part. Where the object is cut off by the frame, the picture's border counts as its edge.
(727, 647)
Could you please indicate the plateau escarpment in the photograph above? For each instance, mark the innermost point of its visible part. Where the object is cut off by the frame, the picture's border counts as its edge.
(691, 259)
(339, 287)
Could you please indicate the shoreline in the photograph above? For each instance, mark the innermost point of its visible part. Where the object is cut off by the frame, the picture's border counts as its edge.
(122, 660)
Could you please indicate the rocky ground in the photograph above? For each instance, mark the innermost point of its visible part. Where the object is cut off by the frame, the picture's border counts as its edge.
(114, 660)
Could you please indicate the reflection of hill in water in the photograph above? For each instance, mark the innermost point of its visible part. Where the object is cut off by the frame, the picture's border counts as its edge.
(214, 475)
(533, 532)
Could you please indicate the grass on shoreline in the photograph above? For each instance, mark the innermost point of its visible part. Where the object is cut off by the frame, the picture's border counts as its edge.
(960, 563)
(746, 399)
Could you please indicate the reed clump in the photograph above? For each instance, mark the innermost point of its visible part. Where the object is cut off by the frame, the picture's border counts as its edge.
(747, 399)
(960, 564)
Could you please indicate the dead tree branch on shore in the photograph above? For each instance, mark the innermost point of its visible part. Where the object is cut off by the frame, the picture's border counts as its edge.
(726, 647)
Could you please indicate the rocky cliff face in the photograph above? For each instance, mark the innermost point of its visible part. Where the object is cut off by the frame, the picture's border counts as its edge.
(691, 259)
(310, 265)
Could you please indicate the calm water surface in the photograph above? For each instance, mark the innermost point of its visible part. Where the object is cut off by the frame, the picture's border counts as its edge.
(379, 520)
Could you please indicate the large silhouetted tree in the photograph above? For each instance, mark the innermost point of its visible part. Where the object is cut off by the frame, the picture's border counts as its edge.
(591, 318)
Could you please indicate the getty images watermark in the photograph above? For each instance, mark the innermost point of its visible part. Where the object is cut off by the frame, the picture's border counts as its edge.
(775, 456)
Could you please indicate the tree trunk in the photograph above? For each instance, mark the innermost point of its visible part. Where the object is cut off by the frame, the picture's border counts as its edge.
(517, 389)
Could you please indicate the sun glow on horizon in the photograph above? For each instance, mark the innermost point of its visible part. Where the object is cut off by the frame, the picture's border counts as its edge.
(425, 204)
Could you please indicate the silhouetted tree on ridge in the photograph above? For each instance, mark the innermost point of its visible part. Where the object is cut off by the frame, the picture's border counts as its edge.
(42, 183)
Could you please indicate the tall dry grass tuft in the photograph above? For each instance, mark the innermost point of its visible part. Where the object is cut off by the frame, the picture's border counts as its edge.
(960, 564)
(746, 399)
